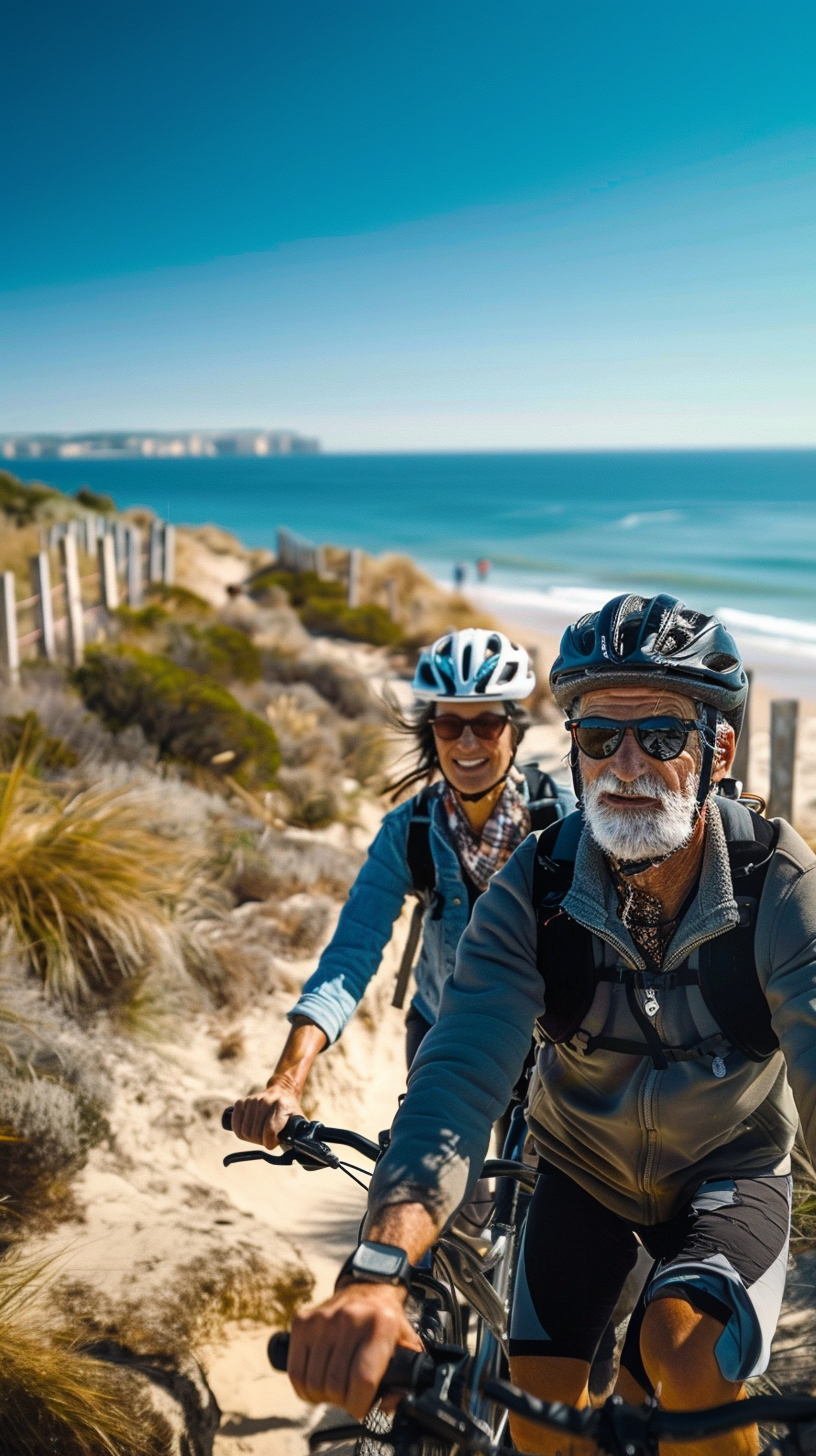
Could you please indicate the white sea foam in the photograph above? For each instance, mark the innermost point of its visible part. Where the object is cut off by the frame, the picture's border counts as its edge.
(781, 650)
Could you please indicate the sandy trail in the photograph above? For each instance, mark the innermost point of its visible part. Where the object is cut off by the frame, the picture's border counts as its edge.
(317, 1213)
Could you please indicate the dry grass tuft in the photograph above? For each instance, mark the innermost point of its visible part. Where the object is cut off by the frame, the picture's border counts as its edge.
(86, 888)
(199, 1304)
(52, 1397)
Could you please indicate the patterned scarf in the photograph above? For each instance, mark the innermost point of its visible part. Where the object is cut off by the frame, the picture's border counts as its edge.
(642, 914)
(507, 826)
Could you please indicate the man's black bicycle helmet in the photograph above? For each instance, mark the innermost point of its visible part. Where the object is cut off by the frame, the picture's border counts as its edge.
(677, 647)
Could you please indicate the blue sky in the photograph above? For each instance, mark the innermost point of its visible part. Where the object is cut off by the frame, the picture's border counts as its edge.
(440, 225)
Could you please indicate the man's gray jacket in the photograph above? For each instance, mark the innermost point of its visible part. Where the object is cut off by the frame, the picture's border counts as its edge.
(639, 1139)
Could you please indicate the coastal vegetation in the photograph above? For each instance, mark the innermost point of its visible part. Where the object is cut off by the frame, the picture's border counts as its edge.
(164, 882)
(323, 607)
(191, 718)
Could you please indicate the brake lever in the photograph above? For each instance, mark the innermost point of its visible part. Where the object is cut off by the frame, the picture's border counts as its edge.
(308, 1152)
(284, 1161)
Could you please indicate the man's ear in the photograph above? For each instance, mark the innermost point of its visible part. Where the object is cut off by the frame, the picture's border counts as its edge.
(724, 752)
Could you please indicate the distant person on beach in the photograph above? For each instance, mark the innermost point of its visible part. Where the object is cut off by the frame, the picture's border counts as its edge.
(483, 568)
(662, 941)
(442, 845)
(458, 576)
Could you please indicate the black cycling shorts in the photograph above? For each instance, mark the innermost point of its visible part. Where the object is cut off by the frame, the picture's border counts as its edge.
(725, 1252)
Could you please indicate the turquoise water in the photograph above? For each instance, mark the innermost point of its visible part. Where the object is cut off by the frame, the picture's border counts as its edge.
(726, 530)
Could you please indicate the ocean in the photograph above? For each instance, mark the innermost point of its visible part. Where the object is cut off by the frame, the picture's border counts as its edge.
(731, 531)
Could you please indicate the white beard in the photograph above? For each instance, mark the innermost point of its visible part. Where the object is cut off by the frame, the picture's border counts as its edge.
(636, 834)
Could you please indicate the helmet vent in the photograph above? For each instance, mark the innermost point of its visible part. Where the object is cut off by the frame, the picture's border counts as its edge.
(720, 662)
(584, 631)
(627, 626)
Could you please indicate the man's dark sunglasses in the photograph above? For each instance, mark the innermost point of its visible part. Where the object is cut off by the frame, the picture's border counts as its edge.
(487, 726)
(662, 738)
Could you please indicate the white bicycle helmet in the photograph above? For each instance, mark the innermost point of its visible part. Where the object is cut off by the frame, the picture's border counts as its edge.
(472, 665)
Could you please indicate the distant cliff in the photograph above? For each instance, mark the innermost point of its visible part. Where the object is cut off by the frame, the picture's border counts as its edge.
(123, 444)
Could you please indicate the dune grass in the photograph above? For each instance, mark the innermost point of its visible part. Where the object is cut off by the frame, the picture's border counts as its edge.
(196, 1307)
(53, 1398)
(86, 886)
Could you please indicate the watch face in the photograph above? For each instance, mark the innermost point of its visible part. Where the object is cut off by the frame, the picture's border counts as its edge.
(380, 1260)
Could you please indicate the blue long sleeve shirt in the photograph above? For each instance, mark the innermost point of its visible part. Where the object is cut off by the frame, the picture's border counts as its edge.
(333, 992)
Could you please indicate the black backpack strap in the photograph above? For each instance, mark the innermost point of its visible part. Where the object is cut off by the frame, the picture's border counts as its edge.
(423, 885)
(418, 847)
(728, 975)
(564, 952)
(548, 803)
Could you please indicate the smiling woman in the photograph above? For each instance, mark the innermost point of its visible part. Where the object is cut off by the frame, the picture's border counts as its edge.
(444, 846)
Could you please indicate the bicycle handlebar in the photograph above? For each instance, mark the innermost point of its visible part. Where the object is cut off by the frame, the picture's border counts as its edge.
(299, 1129)
(409, 1371)
(302, 1136)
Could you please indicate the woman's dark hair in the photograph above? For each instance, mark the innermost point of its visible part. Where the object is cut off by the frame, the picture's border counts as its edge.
(416, 725)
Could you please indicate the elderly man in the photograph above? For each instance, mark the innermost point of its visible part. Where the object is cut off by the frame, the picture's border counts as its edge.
(662, 942)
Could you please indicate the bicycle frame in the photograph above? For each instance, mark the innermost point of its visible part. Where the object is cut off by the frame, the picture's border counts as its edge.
(482, 1276)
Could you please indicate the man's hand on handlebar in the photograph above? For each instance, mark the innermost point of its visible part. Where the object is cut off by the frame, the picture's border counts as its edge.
(260, 1118)
(340, 1349)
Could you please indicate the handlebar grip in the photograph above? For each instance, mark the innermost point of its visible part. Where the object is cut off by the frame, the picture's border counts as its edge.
(278, 1350)
(407, 1369)
(292, 1128)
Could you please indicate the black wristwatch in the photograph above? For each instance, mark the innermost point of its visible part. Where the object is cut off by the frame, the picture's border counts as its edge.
(378, 1264)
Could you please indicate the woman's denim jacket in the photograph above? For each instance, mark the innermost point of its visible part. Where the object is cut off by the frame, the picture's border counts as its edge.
(352, 957)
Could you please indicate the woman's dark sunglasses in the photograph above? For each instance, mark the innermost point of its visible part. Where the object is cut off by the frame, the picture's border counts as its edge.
(488, 726)
(662, 738)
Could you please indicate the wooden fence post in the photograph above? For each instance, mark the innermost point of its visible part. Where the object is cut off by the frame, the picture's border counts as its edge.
(134, 566)
(169, 561)
(784, 715)
(109, 587)
(73, 599)
(90, 535)
(742, 758)
(41, 587)
(120, 545)
(154, 554)
(355, 561)
(9, 649)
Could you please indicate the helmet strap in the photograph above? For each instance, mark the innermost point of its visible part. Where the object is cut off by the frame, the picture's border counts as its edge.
(708, 744)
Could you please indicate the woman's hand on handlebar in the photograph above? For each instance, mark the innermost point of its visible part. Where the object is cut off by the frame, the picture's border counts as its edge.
(260, 1117)
(339, 1351)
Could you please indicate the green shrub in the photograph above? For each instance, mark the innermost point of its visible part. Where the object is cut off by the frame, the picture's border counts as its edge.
(141, 619)
(190, 719)
(322, 607)
(93, 502)
(21, 501)
(220, 652)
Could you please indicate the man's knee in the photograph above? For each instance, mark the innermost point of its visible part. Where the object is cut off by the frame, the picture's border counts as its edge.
(550, 1378)
(677, 1348)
